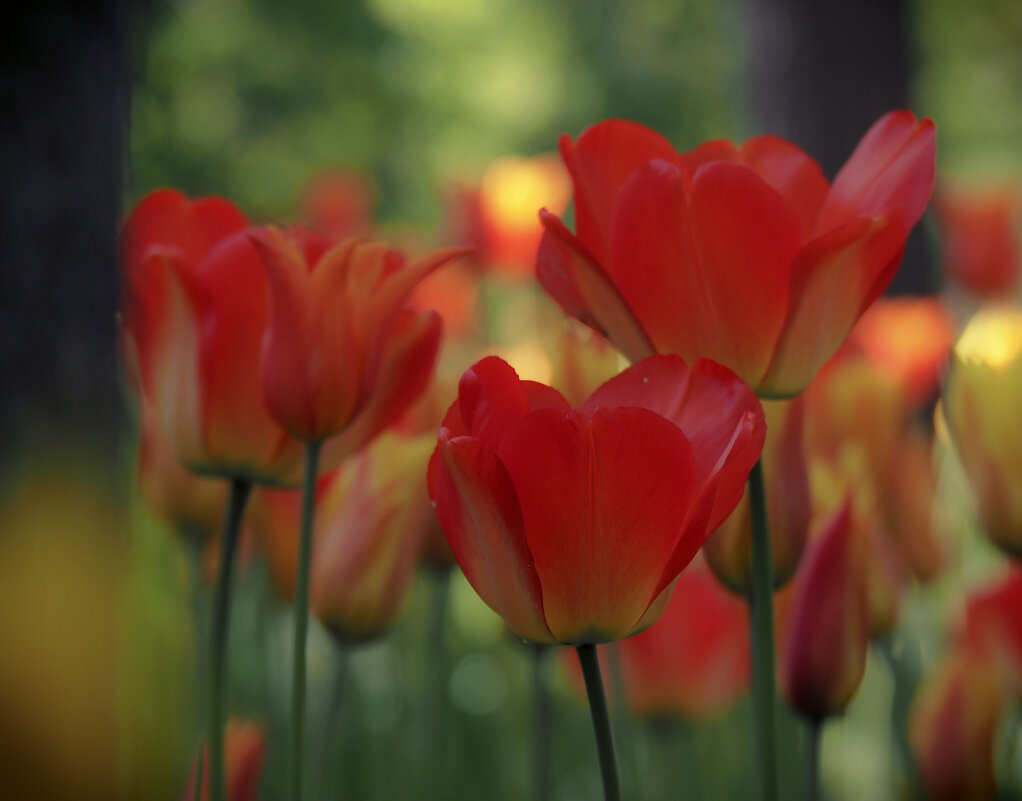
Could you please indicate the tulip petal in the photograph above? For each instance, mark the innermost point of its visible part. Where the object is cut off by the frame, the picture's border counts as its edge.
(833, 280)
(893, 167)
(479, 511)
(405, 369)
(793, 173)
(600, 163)
(603, 500)
(706, 272)
(580, 286)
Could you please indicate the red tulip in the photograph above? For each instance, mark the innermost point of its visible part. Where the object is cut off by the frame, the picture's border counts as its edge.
(339, 203)
(993, 627)
(195, 314)
(744, 255)
(342, 354)
(952, 728)
(826, 637)
(694, 661)
(979, 238)
(572, 524)
(244, 754)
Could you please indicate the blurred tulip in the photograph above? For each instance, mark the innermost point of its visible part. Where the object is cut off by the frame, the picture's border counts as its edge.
(244, 755)
(981, 404)
(338, 203)
(694, 661)
(908, 496)
(783, 263)
(499, 218)
(192, 505)
(823, 656)
(370, 524)
(454, 294)
(728, 550)
(993, 627)
(195, 314)
(979, 239)
(342, 353)
(952, 729)
(543, 505)
(908, 339)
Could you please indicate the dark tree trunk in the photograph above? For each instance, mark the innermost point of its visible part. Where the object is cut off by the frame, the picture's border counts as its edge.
(820, 72)
(65, 87)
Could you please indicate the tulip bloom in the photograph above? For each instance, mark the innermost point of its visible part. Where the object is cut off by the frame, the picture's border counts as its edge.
(728, 551)
(342, 354)
(952, 729)
(744, 255)
(823, 656)
(245, 753)
(979, 239)
(981, 405)
(572, 524)
(195, 314)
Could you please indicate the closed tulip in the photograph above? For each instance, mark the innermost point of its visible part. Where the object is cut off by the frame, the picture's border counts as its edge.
(195, 314)
(572, 524)
(993, 627)
(952, 729)
(981, 404)
(742, 254)
(245, 753)
(826, 634)
(979, 238)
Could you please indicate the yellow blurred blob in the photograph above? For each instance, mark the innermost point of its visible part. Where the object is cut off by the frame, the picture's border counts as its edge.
(514, 189)
(58, 671)
(993, 337)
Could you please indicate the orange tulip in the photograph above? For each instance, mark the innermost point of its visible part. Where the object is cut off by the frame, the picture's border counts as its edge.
(369, 529)
(244, 754)
(342, 354)
(952, 728)
(823, 656)
(195, 313)
(728, 550)
(979, 238)
(572, 524)
(744, 255)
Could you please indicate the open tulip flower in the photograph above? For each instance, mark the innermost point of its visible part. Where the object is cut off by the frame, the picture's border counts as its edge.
(342, 353)
(572, 524)
(741, 254)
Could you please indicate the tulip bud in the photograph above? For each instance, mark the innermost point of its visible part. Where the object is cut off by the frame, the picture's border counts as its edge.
(993, 627)
(369, 529)
(952, 727)
(827, 632)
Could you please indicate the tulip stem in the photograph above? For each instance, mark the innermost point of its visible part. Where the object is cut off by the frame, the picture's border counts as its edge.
(312, 449)
(813, 742)
(761, 614)
(220, 632)
(601, 720)
(540, 724)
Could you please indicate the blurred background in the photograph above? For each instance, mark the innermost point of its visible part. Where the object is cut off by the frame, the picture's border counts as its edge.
(108, 99)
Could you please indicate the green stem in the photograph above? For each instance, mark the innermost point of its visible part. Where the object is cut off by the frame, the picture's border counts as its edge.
(904, 667)
(330, 744)
(813, 759)
(601, 720)
(761, 613)
(312, 450)
(219, 633)
(540, 724)
(436, 723)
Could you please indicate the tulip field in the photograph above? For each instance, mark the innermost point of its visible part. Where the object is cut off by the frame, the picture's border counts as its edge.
(493, 438)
